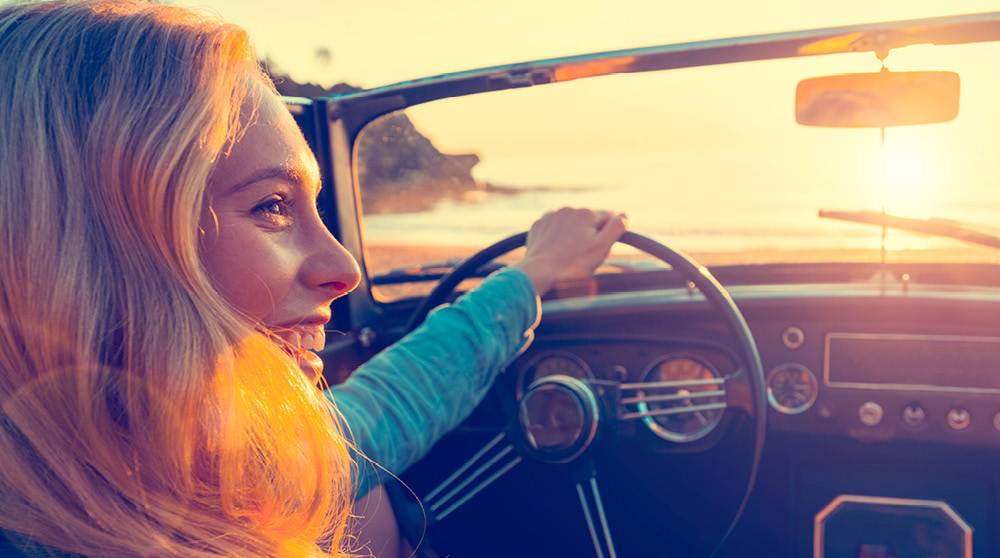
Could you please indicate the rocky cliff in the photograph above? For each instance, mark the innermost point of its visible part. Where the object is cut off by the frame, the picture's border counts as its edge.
(400, 169)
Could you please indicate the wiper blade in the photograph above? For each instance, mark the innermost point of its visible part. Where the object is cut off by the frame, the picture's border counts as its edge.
(933, 226)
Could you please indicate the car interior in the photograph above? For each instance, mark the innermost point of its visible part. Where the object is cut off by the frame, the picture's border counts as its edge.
(795, 351)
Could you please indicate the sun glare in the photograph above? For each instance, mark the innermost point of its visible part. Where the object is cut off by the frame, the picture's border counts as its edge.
(906, 177)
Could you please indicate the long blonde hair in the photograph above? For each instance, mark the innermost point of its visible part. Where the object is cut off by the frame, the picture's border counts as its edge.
(139, 414)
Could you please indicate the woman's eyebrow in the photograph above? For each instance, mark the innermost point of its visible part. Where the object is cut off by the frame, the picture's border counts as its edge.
(295, 175)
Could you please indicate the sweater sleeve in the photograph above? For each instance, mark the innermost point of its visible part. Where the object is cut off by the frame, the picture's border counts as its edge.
(401, 402)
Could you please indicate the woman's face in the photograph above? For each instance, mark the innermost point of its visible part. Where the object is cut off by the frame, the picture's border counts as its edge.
(264, 244)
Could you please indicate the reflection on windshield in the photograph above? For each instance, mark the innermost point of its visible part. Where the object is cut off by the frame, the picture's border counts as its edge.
(707, 160)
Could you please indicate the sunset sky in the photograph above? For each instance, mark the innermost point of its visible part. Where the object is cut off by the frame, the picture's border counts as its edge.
(377, 42)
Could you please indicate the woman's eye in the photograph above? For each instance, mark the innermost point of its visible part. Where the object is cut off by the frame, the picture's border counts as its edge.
(274, 208)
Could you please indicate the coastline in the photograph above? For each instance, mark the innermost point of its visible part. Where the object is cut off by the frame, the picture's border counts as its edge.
(385, 257)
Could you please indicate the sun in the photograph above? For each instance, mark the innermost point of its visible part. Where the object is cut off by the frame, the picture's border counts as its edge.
(907, 178)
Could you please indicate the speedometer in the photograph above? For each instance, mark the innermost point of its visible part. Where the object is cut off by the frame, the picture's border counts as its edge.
(689, 409)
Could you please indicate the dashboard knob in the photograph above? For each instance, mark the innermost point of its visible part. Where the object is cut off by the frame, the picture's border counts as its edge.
(959, 419)
(870, 413)
(914, 415)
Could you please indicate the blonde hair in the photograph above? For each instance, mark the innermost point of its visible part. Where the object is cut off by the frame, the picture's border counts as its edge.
(140, 415)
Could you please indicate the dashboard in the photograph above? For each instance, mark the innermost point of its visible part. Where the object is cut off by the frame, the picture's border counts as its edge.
(883, 415)
(840, 360)
(883, 427)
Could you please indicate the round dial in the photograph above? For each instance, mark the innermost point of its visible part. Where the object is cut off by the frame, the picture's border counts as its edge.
(791, 388)
(703, 395)
(555, 364)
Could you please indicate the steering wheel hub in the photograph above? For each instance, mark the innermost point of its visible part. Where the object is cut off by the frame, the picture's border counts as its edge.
(558, 418)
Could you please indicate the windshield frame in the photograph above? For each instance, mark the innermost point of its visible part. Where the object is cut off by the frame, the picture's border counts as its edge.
(358, 108)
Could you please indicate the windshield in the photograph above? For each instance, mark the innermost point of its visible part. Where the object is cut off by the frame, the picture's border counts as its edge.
(708, 160)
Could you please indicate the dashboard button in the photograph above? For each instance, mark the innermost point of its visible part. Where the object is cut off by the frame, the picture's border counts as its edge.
(914, 415)
(793, 337)
(959, 419)
(870, 413)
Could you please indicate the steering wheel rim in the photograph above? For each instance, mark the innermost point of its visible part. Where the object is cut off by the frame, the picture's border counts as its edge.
(697, 274)
(446, 285)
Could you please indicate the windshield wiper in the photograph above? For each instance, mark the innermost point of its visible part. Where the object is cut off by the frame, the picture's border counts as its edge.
(933, 226)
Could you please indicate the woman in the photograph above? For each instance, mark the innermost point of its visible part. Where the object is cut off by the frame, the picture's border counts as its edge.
(166, 279)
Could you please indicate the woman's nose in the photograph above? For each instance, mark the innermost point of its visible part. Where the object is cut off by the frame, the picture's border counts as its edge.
(330, 266)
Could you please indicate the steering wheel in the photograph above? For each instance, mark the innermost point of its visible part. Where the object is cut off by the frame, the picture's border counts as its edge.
(523, 440)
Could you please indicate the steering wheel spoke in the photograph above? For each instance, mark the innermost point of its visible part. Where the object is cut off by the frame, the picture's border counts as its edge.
(490, 463)
(597, 520)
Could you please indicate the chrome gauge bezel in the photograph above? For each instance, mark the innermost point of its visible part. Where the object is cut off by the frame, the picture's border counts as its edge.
(586, 409)
(523, 380)
(670, 435)
(797, 409)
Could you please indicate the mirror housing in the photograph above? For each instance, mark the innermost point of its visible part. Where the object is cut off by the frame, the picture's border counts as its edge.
(877, 100)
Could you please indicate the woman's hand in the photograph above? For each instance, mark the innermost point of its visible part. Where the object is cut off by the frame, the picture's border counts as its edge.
(569, 244)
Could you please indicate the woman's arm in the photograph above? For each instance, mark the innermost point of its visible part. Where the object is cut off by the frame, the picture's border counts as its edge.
(403, 400)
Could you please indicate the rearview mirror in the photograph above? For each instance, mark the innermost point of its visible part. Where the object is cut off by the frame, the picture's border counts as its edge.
(877, 100)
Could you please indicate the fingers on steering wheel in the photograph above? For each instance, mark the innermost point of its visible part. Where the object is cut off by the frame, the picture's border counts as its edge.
(611, 228)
